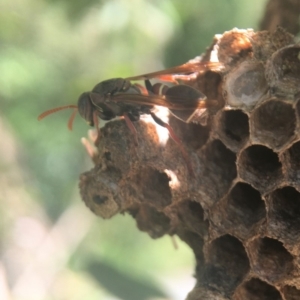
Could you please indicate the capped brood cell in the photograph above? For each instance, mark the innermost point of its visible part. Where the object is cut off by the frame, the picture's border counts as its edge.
(245, 85)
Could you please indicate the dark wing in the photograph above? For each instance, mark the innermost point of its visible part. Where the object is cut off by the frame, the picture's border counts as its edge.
(179, 97)
(189, 67)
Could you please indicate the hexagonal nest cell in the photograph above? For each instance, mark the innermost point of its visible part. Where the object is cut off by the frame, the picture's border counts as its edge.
(255, 289)
(234, 129)
(229, 186)
(193, 135)
(284, 215)
(291, 293)
(218, 171)
(291, 159)
(274, 132)
(226, 265)
(283, 70)
(239, 213)
(270, 260)
(260, 166)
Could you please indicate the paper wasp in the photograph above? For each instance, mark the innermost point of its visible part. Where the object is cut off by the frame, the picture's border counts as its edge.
(118, 97)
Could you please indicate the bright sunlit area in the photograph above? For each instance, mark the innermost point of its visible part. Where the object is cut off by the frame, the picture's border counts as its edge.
(52, 245)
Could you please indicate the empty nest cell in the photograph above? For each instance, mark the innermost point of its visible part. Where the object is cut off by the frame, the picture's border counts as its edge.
(273, 123)
(218, 171)
(191, 215)
(255, 289)
(196, 243)
(291, 293)
(291, 158)
(226, 264)
(269, 259)
(152, 187)
(298, 106)
(234, 128)
(260, 166)
(246, 204)
(284, 215)
(238, 213)
(148, 219)
(191, 134)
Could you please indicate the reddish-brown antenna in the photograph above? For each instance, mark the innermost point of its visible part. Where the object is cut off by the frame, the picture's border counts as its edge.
(70, 122)
(56, 109)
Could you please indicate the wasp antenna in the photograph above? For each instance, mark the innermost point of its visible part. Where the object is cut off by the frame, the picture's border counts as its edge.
(72, 117)
(54, 110)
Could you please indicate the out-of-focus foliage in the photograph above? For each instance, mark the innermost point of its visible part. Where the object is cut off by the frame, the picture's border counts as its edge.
(122, 285)
(50, 52)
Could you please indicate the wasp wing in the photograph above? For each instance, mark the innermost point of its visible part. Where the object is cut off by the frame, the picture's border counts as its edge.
(193, 96)
(183, 101)
(189, 67)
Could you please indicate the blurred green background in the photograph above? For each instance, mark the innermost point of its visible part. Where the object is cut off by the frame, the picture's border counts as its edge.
(52, 246)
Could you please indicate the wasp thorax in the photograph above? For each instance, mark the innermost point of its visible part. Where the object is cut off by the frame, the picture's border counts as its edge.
(85, 108)
(111, 86)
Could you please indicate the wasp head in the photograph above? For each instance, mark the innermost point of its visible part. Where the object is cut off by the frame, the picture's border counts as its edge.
(86, 108)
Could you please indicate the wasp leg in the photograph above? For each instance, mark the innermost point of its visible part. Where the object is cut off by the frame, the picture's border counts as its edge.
(173, 78)
(157, 88)
(89, 143)
(168, 78)
(185, 78)
(149, 86)
(131, 128)
(142, 89)
(88, 147)
(96, 124)
(176, 139)
(174, 242)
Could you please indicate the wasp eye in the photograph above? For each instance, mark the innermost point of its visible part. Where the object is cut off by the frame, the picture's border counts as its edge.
(86, 108)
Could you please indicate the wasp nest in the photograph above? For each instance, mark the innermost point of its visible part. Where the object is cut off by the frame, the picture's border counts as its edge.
(240, 213)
